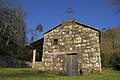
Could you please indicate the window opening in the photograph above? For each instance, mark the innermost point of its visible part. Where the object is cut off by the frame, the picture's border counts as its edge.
(55, 41)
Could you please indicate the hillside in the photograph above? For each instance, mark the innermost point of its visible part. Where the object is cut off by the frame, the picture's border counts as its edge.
(110, 46)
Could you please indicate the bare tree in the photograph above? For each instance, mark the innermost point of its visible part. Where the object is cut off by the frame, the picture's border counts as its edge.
(33, 35)
(35, 32)
(12, 28)
(39, 28)
(12, 23)
(1, 1)
(116, 3)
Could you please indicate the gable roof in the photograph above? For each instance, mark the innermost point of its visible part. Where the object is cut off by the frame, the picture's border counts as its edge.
(73, 21)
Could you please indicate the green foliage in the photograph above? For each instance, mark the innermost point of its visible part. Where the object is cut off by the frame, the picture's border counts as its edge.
(33, 74)
(26, 54)
(115, 59)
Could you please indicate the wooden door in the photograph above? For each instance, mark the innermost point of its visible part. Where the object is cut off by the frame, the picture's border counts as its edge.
(71, 65)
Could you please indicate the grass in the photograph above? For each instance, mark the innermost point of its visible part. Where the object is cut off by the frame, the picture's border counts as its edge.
(33, 74)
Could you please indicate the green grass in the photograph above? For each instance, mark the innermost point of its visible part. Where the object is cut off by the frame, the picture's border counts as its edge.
(33, 74)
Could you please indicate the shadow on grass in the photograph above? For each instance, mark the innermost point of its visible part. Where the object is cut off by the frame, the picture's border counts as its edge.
(117, 67)
(30, 74)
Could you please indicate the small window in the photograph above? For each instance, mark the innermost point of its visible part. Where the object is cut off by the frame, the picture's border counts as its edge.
(55, 42)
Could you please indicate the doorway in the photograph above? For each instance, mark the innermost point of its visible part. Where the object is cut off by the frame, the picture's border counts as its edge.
(72, 64)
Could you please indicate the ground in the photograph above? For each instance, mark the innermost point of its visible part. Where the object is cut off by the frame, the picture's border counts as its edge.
(33, 74)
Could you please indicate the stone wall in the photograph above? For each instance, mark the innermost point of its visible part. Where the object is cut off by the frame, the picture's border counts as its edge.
(10, 62)
(72, 38)
(54, 62)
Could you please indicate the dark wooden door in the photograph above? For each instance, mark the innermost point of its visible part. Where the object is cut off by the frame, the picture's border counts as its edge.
(71, 65)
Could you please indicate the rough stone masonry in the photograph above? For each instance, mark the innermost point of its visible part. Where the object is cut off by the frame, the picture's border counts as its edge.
(67, 38)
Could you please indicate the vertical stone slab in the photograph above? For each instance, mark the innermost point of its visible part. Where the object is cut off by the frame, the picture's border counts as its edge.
(34, 56)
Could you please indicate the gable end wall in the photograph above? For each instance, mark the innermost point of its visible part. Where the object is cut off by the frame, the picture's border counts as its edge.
(72, 38)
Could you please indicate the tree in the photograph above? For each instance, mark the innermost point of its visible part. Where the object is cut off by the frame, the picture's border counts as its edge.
(12, 28)
(116, 3)
(11, 18)
(33, 35)
(35, 32)
(39, 28)
(115, 59)
(110, 46)
(1, 1)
